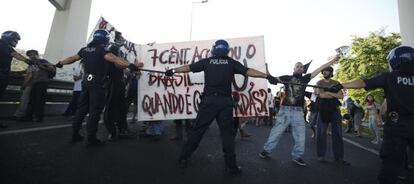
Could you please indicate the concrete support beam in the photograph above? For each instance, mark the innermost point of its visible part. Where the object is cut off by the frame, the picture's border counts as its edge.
(68, 33)
(406, 14)
(59, 4)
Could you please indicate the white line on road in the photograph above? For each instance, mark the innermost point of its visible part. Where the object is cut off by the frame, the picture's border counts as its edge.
(41, 128)
(360, 146)
(100, 122)
(34, 129)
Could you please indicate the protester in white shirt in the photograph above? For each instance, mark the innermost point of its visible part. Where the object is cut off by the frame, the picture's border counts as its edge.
(77, 88)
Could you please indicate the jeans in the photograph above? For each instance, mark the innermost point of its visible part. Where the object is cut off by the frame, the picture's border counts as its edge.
(293, 116)
(154, 128)
(373, 126)
(337, 142)
(313, 120)
(24, 102)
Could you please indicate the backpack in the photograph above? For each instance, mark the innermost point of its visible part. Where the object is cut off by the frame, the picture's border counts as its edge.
(52, 74)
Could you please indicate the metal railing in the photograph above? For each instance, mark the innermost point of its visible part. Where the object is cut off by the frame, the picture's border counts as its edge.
(57, 90)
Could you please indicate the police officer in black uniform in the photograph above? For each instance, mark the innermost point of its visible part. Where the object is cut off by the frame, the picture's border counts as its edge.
(8, 41)
(217, 102)
(115, 115)
(94, 57)
(398, 85)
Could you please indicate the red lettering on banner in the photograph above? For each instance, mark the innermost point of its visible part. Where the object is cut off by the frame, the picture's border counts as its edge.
(154, 56)
(251, 104)
(162, 55)
(235, 52)
(170, 103)
(103, 24)
(174, 56)
(245, 80)
(196, 100)
(251, 51)
(131, 48)
(160, 80)
(178, 80)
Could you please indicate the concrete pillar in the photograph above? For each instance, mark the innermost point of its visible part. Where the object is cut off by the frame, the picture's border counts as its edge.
(68, 32)
(406, 14)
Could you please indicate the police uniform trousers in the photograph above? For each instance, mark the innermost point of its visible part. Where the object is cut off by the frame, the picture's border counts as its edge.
(4, 80)
(92, 101)
(116, 107)
(221, 109)
(397, 136)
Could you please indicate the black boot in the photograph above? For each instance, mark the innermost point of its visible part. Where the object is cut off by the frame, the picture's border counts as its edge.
(76, 137)
(3, 125)
(183, 163)
(126, 134)
(234, 170)
(95, 142)
(176, 138)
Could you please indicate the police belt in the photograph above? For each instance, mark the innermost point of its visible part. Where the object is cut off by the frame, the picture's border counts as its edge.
(95, 77)
(216, 94)
(395, 117)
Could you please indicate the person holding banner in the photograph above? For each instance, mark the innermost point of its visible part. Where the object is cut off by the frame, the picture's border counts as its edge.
(95, 58)
(398, 85)
(217, 102)
(291, 112)
(116, 108)
(8, 41)
(179, 128)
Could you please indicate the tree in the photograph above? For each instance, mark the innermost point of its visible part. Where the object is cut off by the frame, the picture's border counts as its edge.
(367, 59)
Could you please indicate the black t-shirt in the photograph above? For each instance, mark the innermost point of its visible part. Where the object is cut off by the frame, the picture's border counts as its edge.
(218, 73)
(93, 60)
(313, 106)
(398, 88)
(294, 93)
(115, 73)
(5, 58)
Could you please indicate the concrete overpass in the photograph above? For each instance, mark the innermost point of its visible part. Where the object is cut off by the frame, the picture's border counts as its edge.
(70, 26)
(68, 32)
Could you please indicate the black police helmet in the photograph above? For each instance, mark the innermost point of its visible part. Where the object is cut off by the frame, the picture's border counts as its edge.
(401, 58)
(220, 48)
(101, 36)
(11, 37)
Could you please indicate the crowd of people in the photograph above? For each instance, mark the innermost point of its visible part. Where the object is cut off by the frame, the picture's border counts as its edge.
(106, 83)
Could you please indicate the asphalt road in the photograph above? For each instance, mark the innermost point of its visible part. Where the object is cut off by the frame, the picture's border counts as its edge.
(45, 156)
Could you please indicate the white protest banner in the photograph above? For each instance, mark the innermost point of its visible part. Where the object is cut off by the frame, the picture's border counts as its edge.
(129, 51)
(177, 97)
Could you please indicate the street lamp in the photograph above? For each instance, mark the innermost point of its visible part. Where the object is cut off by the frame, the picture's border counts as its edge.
(192, 11)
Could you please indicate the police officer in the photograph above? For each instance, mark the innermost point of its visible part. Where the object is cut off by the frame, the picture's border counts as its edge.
(115, 115)
(398, 85)
(217, 102)
(8, 41)
(92, 100)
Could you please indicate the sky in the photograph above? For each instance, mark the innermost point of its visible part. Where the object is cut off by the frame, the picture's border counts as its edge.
(293, 30)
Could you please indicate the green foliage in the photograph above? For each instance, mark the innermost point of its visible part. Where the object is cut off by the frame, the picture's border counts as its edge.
(367, 59)
(18, 66)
